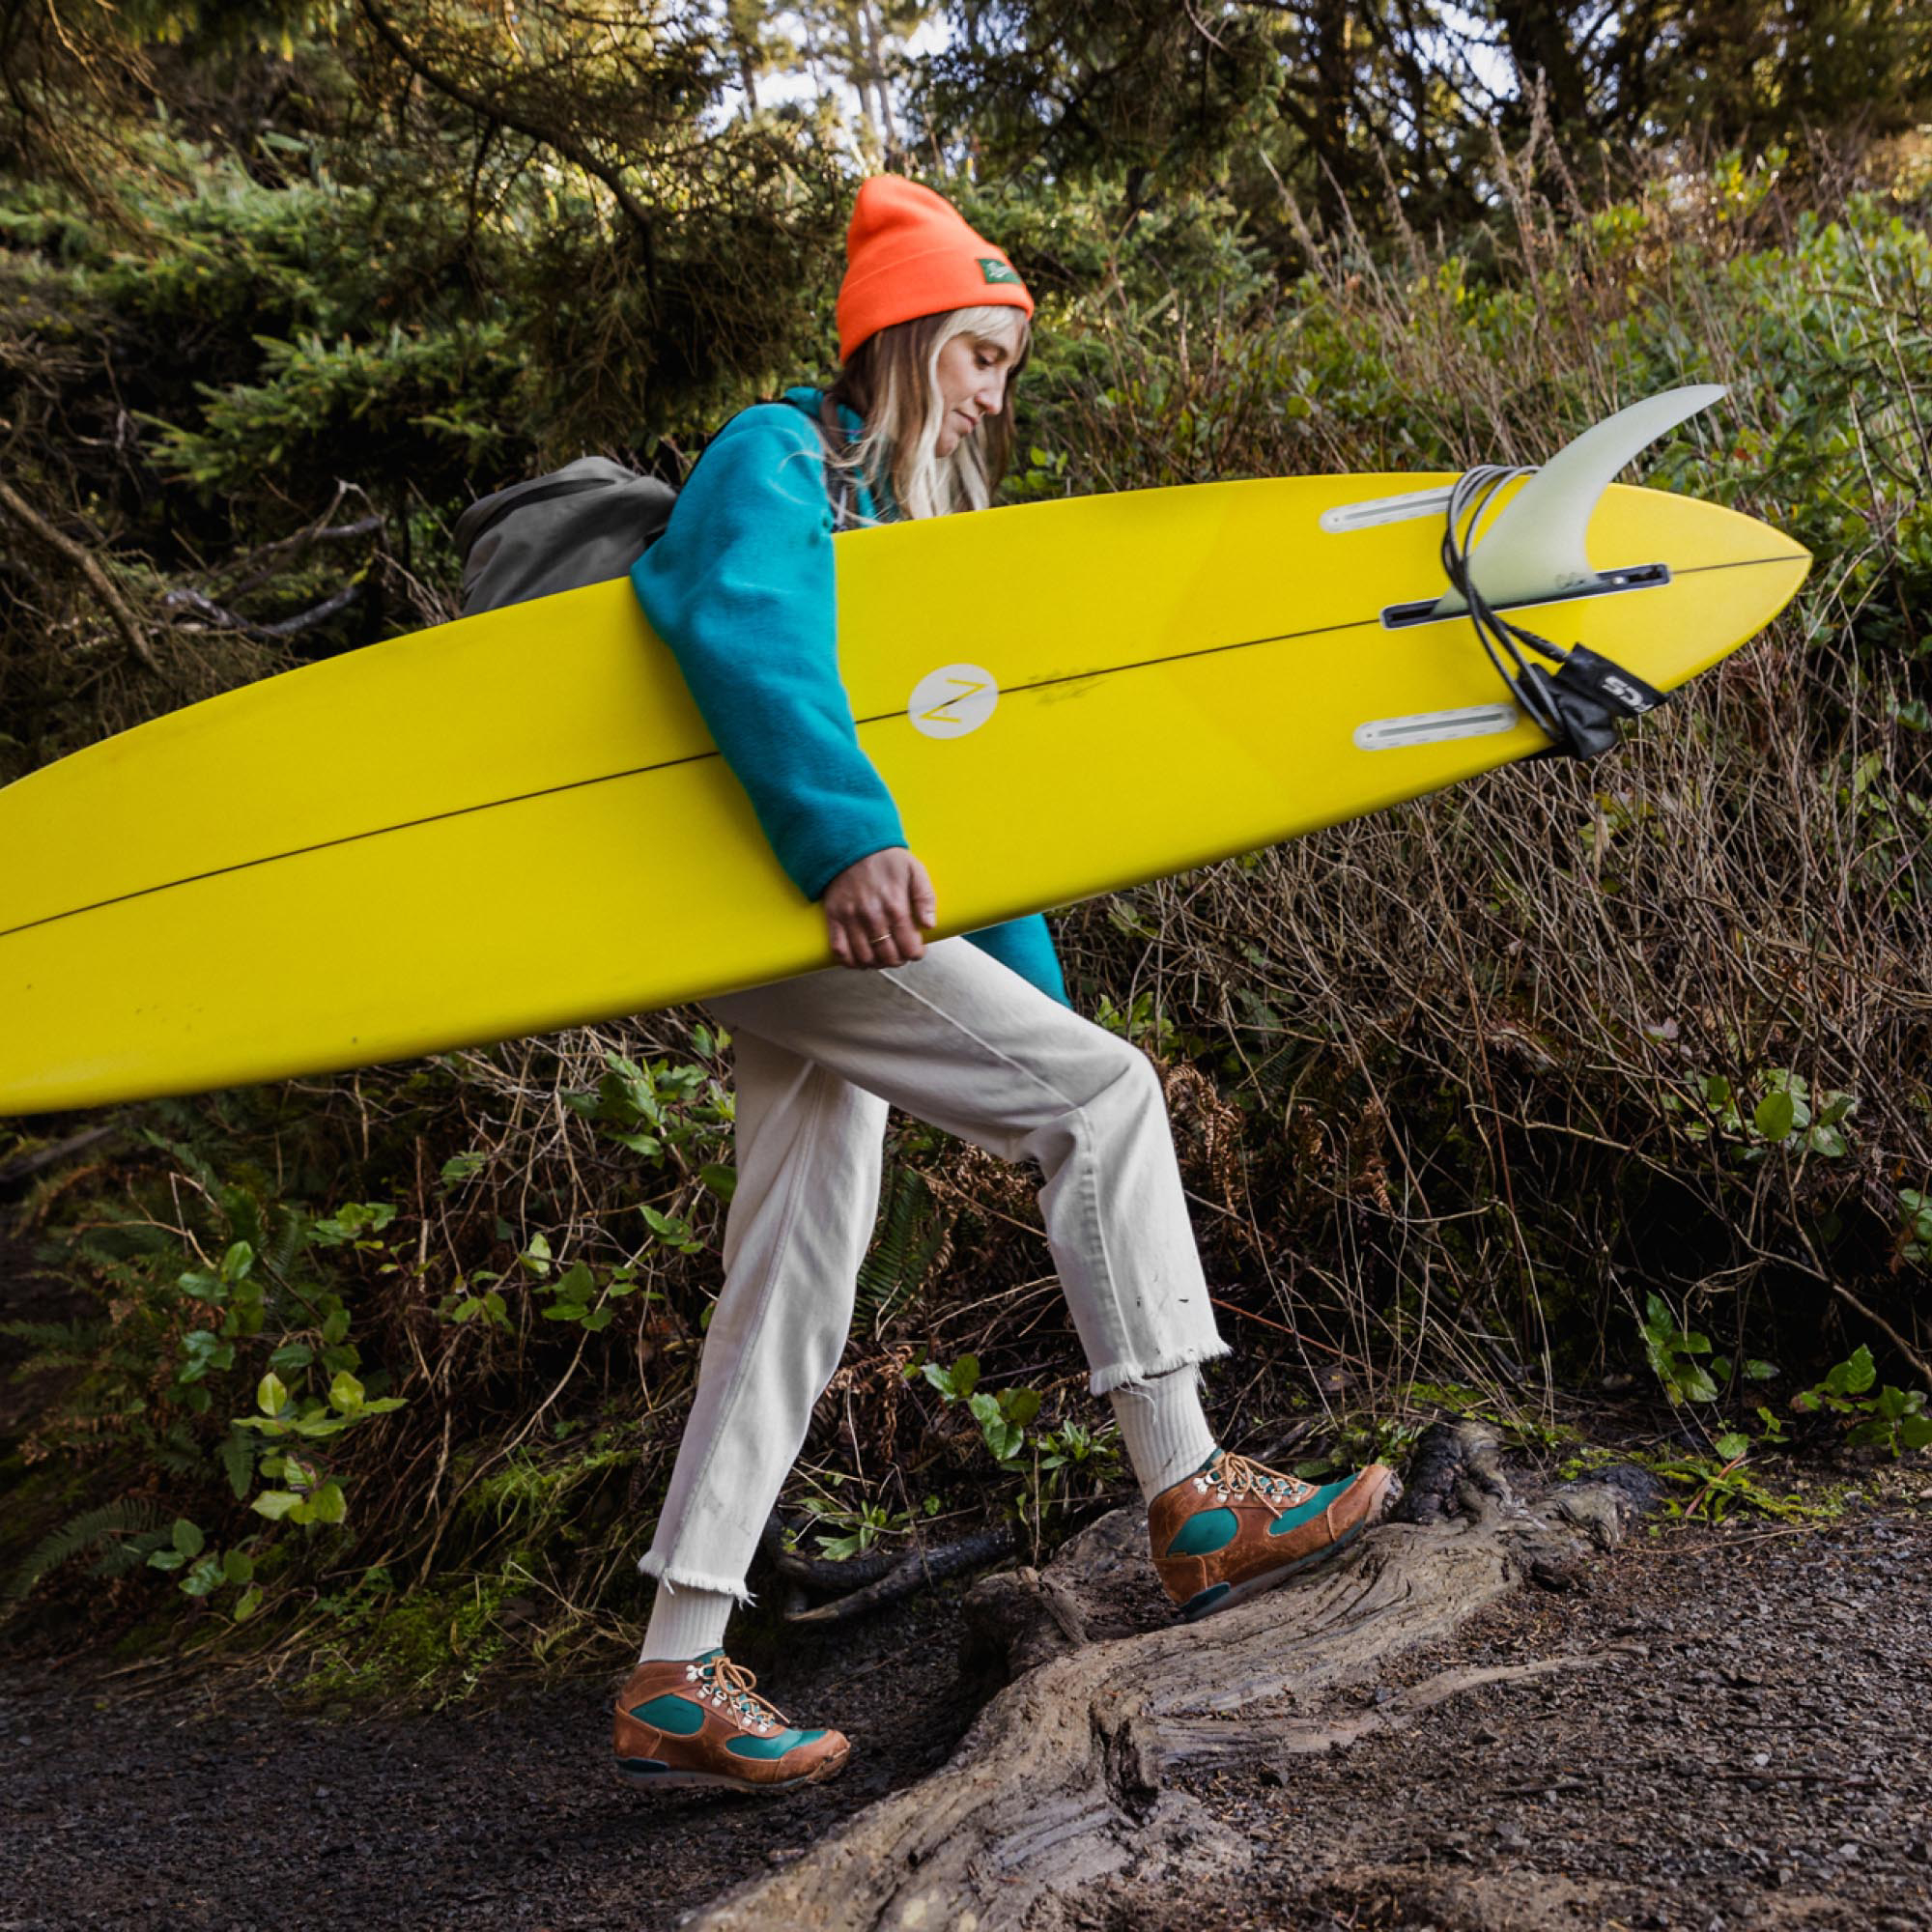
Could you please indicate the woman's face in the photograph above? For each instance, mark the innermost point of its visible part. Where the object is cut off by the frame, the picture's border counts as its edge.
(972, 374)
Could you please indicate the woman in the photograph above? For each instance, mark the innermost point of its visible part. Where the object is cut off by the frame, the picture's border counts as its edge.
(972, 1034)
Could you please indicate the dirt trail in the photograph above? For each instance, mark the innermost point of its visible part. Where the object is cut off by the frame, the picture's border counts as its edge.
(1766, 1762)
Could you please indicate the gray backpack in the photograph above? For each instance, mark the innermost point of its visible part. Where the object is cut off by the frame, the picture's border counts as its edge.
(582, 523)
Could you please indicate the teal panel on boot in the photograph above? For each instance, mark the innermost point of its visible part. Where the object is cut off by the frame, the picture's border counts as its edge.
(747, 1747)
(1207, 1531)
(1289, 1518)
(678, 1716)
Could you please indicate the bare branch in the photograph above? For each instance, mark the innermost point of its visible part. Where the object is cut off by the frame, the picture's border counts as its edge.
(500, 115)
(90, 567)
(287, 627)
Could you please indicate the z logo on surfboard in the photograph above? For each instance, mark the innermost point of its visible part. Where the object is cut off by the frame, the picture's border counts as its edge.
(953, 700)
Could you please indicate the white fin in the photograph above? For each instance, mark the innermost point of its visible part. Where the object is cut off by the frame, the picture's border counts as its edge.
(1535, 549)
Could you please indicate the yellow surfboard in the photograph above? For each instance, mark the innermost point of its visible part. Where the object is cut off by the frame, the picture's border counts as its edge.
(518, 822)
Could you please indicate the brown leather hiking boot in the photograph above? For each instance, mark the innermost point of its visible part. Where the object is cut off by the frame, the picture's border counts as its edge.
(699, 1720)
(1236, 1527)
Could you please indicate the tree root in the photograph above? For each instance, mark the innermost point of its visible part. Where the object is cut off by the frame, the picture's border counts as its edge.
(1063, 1779)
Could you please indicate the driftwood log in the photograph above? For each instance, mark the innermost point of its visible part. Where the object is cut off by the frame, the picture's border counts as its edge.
(1062, 1783)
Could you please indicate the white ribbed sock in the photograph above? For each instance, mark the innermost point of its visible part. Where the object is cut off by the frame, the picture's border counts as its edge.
(1165, 1429)
(685, 1622)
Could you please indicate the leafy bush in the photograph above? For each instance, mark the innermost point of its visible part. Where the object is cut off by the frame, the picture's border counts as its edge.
(1882, 1416)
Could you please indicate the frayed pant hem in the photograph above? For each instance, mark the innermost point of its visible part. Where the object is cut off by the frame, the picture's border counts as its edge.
(677, 1578)
(1130, 1374)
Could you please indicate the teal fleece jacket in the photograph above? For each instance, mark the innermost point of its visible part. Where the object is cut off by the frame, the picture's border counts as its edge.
(742, 589)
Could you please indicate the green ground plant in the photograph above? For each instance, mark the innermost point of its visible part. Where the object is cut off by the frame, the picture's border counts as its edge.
(843, 1529)
(1721, 1485)
(1873, 1414)
(1058, 1467)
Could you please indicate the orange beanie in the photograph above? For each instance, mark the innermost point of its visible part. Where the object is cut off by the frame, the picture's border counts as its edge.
(909, 253)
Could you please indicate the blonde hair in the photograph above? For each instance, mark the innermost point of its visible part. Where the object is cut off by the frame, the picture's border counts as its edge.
(891, 380)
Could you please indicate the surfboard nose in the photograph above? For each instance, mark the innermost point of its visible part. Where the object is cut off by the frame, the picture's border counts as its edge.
(1670, 595)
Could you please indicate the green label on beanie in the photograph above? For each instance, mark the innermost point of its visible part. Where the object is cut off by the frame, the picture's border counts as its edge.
(996, 271)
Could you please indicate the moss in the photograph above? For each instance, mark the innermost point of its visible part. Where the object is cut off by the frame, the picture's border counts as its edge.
(427, 1647)
(152, 1638)
(529, 1489)
(1588, 1460)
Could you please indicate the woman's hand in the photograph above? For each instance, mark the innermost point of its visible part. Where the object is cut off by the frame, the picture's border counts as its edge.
(877, 910)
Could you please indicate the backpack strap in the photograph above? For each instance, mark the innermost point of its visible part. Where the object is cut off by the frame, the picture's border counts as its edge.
(841, 485)
(842, 488)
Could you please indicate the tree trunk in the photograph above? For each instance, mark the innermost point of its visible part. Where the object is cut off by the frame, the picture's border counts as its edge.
(1063, 1781)
(1540, 45)
(875, 37)
(859, 63)
(1334, 94)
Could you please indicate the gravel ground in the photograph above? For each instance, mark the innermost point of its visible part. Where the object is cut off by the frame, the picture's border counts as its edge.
(1760, 1759)
(202, 1804)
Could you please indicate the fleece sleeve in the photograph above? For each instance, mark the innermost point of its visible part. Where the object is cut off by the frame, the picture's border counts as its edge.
(1027, 946)
(740, 587)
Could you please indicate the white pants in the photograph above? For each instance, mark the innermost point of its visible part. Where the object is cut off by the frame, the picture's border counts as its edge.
(967, 1044)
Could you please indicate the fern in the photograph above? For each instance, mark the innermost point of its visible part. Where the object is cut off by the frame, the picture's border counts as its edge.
(288, 1244)
(237, 1461)
(180, 1453)
(114, 1245)
(53, 1334)
(912, 1232)
(193, 1163)
(130, 1516)
(127, 1554)
(57, 1345)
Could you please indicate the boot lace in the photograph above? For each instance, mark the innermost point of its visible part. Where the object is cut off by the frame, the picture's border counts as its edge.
(730, 1686)
(1235, 1475)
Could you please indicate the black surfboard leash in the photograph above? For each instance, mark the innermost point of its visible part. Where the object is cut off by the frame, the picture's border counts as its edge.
(1579, 705)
